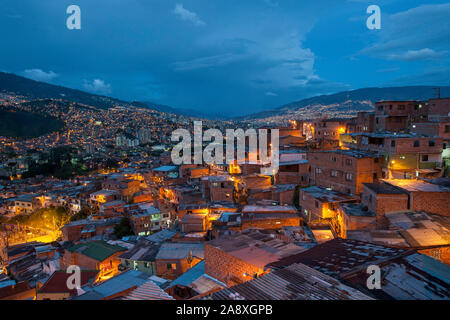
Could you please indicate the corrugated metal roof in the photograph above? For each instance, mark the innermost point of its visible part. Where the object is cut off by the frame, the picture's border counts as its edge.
(115, 285)
(296, 282)
(339, 256)
(190, 276)
(412, 277)
(148, 291)
(180, 250)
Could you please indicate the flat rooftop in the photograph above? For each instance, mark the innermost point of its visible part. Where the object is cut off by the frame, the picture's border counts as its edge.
(356, 210)
(417, 185)
(352, 153)
(256, 247)
(384, 188)
(325, 195)
(268, 209)
(421, 229)
(387, 134)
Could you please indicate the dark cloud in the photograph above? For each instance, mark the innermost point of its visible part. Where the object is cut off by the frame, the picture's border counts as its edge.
(229, 56)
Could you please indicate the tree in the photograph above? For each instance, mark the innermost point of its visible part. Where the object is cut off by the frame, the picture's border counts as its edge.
(123, 229)
(83, 214)
(240, 194)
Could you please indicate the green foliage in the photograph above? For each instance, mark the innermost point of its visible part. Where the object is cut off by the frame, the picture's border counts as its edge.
(123, 229)
(83, 214)
(240, 195)
(53, 218)
(61, 162)
(27, 125)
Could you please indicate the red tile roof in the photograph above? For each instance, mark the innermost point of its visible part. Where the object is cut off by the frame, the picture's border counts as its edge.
(57, 283)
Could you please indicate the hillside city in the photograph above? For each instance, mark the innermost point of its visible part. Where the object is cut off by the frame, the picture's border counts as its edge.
(352, 191)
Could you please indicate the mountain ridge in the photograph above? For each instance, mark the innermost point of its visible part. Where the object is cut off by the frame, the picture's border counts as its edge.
(345, 102)
(23, 86)
(357, 100)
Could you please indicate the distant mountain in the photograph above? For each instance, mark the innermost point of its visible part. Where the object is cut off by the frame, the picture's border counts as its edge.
(40, 90)
(180, 111)
(349, 102)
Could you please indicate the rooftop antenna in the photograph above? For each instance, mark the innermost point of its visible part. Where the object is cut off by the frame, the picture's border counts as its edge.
(438, 92)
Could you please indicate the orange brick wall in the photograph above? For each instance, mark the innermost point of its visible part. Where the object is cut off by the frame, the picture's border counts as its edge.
(432, 202)
(441, 254)
(276, 223)
(226, 268)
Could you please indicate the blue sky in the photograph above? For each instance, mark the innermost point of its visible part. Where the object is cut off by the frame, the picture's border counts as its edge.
(230, 57)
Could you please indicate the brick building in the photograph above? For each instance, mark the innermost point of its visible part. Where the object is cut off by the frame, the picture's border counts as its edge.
(174, 259)
(382, 198)
(352, 216)
(405, 155)
(326, 132)
(239, 258)
(395, 116)
(76, 230)
(55, 288)
(344, 170)
(424, 196)
(295, 171)
(93, 255)
(319, 204)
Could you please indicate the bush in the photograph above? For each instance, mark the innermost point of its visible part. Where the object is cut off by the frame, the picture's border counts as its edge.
(123, 229)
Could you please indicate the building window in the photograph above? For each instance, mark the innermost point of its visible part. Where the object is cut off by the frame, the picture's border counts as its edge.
(392, 143)
(401, 107)
(349, 177)
(334, 173)
(348, 162)
(317, 204)
(416, 143)
(334, 159)
(431, 143)
(318, 170)
(425, 158)
(171, 266)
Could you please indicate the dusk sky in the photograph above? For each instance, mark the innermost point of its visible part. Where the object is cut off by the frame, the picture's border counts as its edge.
(228, 57)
